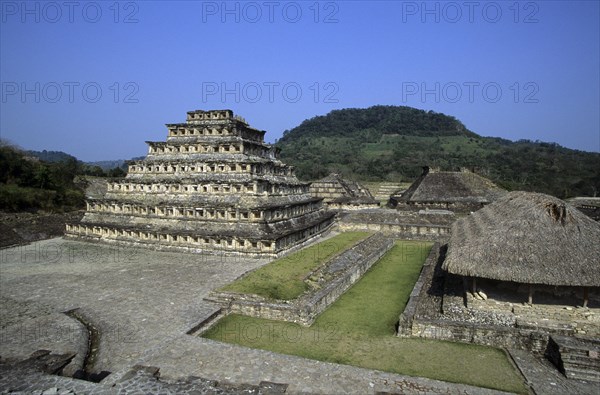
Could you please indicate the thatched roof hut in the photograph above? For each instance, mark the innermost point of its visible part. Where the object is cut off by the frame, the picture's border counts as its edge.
(460, 191)
(528, 238)
(451, 187)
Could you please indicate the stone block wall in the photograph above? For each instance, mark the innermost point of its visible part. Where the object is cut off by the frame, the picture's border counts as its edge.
(496, 336)
(403, 231)
(407, 316)
(459, 207)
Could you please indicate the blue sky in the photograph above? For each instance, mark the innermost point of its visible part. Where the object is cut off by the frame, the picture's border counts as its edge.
(97, 79)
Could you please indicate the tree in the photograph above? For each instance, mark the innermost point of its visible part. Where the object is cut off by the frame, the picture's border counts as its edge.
(116, 172)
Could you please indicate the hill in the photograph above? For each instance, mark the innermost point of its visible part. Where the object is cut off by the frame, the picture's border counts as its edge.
(50, 156)
(30, 184)
(390, 143)
(59, 156)
(45, 180)
(112, 164)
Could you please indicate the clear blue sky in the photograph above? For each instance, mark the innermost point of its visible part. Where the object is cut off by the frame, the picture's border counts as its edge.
(97, 80)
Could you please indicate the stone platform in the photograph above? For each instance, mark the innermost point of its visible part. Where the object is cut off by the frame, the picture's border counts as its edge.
(436, 310)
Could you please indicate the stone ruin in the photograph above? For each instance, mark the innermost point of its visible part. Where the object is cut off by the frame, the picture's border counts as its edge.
(213, 186)
(341, 194)
(457, 191)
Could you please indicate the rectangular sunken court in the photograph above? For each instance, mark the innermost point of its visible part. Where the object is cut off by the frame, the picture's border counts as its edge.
(359, 328)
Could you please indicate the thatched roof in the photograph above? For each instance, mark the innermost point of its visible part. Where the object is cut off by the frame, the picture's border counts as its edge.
(451, 186)
(527, 238)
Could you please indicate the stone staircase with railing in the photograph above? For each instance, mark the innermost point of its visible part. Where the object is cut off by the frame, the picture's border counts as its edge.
(576, 357)
(386, 189)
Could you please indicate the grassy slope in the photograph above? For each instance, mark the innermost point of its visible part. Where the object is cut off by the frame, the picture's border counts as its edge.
(359, 330)
(284, 278)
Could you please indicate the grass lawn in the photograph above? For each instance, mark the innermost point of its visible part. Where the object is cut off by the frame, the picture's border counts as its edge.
(358, 329)
(284, 277)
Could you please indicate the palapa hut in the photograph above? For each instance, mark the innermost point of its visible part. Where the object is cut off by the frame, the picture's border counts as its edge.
(339, 193)
(450, 190)
(528, 238)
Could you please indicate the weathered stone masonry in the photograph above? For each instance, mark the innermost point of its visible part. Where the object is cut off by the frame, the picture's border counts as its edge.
(213, 186)
(334, 278)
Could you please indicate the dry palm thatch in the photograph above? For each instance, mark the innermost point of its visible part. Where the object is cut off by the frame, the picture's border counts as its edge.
(528, 238)
(452, 186)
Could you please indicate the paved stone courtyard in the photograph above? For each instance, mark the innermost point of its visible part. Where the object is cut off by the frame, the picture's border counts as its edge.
(143, 303)
(136, 298)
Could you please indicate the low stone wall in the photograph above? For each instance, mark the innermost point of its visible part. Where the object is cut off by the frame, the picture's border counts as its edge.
(256, 306)
(496, 336)
(351, 265)
(350, 206)
(406, 317)
(403, 231)
(342, 272)
(459, 207)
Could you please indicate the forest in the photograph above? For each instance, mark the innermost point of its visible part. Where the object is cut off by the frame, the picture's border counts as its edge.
(44, 180)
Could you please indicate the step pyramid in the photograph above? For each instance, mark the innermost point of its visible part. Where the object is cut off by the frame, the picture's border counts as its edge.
(213, 186)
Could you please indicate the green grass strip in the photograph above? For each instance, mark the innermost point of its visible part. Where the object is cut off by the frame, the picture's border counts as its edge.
(284, 277)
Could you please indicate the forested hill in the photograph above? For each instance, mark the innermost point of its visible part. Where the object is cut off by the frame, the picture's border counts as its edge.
(44, 180)
(51, 156)
(388, 143)
(373, 122)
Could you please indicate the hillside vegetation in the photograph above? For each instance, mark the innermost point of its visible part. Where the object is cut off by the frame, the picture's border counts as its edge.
(389, 143)
(26, 183)
(43, 180)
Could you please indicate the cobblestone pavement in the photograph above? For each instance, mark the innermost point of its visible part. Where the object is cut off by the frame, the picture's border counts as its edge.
(196, 356)
(143, 303)
(25, 378)
(136, 298)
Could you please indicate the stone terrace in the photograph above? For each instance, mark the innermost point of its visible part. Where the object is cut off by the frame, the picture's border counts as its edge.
(403, 225)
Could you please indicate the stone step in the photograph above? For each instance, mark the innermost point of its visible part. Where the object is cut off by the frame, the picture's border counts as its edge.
(582, 374)
(579, 358)
(385, 190)
(208, 322)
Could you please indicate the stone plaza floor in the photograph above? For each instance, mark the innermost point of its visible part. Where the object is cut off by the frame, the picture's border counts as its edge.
(142, 303)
